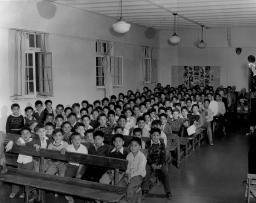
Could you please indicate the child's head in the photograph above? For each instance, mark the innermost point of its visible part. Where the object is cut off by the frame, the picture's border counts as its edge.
(111, 116)
(122, 121)
(95, 114)
(83, 111)
(118, 110)
(15, 109)
(48, 104)
(128, 112)
(72, 118)
(67, 111)
(86, 120)
(76, 139)
(155, 134)
(89, 135)
(40, 131)
(25, 134)
(49, 118)
(39, 105)
(118, 141)
(29, 111)
(147, 117)
(98, 138)
(105, 110)
(84, 104)
(76, 108)
(57, 136)
(137, 132)
(163, 118)
(103, 120)
(59, 109)
(66, 127)
(59, 120)
(156, 124)
(80, 129)
(195, 108)
(176, 113)
(118, 130)
(141, 122)
(49, 127)
(33, 126)
(135, 145)
(184, 111)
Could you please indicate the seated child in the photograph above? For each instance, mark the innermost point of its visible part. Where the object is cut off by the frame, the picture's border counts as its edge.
(103, 125)
(74, 169)
(137, 132)
(29, 116)
(57, 167)
(67, 131)
(49, 127)
(86, 121)
(59, 119)
(15, 122)
(24, 162)
(99, 149)
(3, 168)
(88, 141)
(118, 152)
(156, 163)
(136, 171)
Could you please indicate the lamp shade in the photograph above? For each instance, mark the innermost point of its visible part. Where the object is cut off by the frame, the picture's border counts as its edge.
(201, 44)
(174, 39)
(121, 26)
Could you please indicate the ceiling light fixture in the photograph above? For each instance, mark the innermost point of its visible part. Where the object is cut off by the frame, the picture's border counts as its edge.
(121, 26)
(174, 39)
(202, 44)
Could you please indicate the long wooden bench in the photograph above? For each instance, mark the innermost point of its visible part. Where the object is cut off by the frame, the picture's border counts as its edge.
(76, 187)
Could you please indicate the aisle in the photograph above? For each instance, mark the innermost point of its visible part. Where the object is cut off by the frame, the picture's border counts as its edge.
(211, 174)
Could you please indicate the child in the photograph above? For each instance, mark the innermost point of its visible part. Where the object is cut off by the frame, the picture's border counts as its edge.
(136, 171)
(74, 169)
(156, 163)
(157, 124)
(67, 131)
(24, 162)
(39, 113)
(86, 121)
(142, 126)
(49, 127)
(118, 152)
(15, 122)
(59, 119)
(57, 167)
(137, 132)
(99, 149)
(3, 168)
(29, 116)
(103, 125)
(49, 118)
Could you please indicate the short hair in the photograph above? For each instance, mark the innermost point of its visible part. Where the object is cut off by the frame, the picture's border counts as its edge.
(85, 116)
(78, 125)
(136, 139)
(137, 130)
(67, 108)
(29, 108)
(85, 101)
(38, 102)
(25, 128)
(57, 131)
(117, 127)
(102, 115)
(47, 101)
(161, 108)
(163, 114)
(184, 108)
(49, 124)
(15, 105)
(207, 100)
(60, 106)
(98, 133)
(118, 136)
(83, 109)
(176, 110)
(75, 134)
(71, 114)
(40, 126)
(155, 130)
(195, 105)
(59, 116)
(156, 122)
(66, 122)
(96, 102)
(113, 97)
(49, 114)
(75, 105)
(89, 131)
(111, 112)
(122, 116)
(118, 107)
(140, 118)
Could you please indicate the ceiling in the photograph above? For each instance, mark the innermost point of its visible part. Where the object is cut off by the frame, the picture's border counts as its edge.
(157, 13)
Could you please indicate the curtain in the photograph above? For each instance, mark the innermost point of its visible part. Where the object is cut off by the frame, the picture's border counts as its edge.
(108, 76)
(16, 59)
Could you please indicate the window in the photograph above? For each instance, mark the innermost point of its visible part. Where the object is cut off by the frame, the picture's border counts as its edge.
(147, 63)
(31, 64)
(105, 61)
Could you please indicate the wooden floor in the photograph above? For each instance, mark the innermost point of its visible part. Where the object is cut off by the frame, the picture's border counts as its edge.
(209, 175)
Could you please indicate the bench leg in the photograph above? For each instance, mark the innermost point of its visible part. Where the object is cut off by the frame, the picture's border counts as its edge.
(27, 191)
(178, 156)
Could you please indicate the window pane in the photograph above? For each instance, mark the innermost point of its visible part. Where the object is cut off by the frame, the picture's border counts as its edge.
(38, 41)
(30, 73)
(31, 87)
(31, 40)
(30, 59)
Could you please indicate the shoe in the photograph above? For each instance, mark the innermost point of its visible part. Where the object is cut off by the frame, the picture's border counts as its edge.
(169, 195)
(56, 195)
(12, 195)
(22, 195)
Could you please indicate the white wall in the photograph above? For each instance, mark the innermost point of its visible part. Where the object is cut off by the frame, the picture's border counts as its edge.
(72, 41)
(219, 52)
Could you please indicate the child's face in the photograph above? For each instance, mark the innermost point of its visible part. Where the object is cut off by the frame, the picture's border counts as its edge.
(80, 130)
(137, 134)
(25, 134)
(155, 137)
(59, 122)
(103, 121)
(163, 120)
(29, 113)
(147, 118)
(135, 147)
(68, 111)
(184, 113)
(49, 130)
(83, 113)
(86, 121)
(175, 115)
(72, 119)
(118, 143)
(141, 124)
(128, 113)
(84, 105)
(58, 137)
(16, 110)
(118, 112)
(76, 140)
(48, 105)
(41, 132)
(49, 119)
(122, 122)
(89, 137)
(98, 140)
(111, 118)
(105, 110)
(59, 111)
(76, 109)
(66, 128)
(95, 114)
(169, 113)
(39, 107)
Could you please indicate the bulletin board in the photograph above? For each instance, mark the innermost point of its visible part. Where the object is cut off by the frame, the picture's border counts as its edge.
(195, 75)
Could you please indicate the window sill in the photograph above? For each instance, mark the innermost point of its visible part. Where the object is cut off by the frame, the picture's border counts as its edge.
(28, 97)
(114, 86)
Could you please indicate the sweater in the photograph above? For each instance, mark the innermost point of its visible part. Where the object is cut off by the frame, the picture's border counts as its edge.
(14, 124)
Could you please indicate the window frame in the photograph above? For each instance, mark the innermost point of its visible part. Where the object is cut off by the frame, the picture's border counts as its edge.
(147, 56)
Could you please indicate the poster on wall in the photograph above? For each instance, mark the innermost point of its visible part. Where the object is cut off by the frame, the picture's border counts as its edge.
(192, 76)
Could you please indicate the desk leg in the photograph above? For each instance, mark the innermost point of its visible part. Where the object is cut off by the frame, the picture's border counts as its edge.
(116, 176)
(27, 194)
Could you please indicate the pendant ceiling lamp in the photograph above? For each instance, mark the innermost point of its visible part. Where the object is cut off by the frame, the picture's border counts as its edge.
(174, 39)
(121, 26)
(202, 44)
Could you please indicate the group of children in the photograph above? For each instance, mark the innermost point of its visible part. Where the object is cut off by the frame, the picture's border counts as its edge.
(159, 114)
